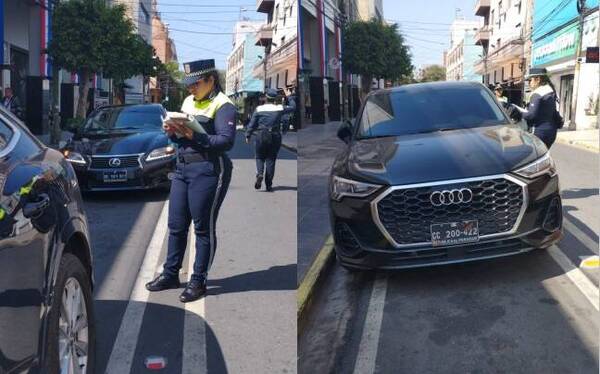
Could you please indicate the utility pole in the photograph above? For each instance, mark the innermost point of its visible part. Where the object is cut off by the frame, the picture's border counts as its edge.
(581, 9)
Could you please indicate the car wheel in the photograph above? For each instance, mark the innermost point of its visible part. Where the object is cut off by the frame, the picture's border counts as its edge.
(71, 336)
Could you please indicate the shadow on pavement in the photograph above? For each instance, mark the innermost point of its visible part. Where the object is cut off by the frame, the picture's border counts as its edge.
(161, 334)
(285, 188)
(275, 278)
(567, 209)
(579, 193)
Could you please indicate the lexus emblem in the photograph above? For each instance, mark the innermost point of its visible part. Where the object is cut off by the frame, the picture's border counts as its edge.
(448, 197)
(114, 162)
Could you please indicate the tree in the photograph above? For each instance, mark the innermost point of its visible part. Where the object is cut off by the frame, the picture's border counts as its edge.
(89, 37)
(375, 50)
(433, 73)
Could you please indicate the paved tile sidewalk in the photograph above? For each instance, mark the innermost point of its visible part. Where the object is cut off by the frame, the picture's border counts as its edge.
(587, 139)
(318, 146)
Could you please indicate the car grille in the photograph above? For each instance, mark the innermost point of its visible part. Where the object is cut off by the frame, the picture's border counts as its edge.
(102, 162)
(406, 214)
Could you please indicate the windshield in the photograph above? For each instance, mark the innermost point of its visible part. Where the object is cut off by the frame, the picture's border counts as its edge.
(428, 108)
(124, 118)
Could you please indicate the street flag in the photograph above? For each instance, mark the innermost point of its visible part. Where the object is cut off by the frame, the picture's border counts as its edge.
(45, 36)
(322, 35)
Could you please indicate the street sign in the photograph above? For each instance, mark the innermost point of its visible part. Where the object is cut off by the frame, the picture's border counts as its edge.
(591, 55)
(334, 63)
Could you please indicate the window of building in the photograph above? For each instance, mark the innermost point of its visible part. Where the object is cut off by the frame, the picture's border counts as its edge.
(286, 77)
(282, 41)
(277, 81)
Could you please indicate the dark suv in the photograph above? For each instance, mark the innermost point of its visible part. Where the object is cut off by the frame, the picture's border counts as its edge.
(436, 173)
(46, 315)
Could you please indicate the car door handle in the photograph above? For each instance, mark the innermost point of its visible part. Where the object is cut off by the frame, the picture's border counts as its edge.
(35, 209)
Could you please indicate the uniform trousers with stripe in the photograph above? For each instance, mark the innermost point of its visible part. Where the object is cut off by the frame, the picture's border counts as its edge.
(197, 192)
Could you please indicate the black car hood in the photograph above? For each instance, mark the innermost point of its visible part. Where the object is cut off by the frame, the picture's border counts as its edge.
(119, 143)
(442, 155)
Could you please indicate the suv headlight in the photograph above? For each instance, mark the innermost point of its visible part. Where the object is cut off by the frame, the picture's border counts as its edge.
(160, 153)
(543, 165)
(74, 157)
(341, 187)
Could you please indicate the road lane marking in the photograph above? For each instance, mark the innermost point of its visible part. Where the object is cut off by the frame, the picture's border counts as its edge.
(581, 281)
(591, 262)
(369, 341)
(194, 360)
(580, 235)
(121, 357)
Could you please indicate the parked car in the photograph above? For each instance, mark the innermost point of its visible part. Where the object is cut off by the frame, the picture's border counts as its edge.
(46, 278)
(122, 147)
(436, 173)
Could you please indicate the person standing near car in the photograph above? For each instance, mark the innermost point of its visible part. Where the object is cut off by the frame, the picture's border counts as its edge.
(201, 177)
(11, 102)
(541, 113)
(266, 121)
(499, 92)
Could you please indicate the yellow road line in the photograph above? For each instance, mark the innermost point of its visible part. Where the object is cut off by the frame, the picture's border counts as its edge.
(307, 286)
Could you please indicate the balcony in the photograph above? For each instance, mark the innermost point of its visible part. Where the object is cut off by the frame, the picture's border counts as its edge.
(264, 36)
(265, 6)
(482, 8)
(482, 36)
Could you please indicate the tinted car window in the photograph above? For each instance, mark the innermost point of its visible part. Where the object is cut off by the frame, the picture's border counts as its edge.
(413, 110)
(128, 118)
(6, 134)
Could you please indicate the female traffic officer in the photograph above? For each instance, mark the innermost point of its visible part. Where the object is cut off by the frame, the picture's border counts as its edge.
(201, 177)
(541, 113)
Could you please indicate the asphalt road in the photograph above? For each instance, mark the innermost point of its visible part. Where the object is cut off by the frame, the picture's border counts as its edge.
(520, 314)
(245, 324)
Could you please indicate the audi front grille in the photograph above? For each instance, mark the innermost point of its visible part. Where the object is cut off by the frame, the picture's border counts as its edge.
(405, 214)
(126, 161)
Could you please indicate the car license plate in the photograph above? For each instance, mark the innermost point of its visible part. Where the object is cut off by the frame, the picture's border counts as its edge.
(114, 176)
(454, 233)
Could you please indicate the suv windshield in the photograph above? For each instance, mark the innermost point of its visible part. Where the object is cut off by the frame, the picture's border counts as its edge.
(429, 108)
(124, 118)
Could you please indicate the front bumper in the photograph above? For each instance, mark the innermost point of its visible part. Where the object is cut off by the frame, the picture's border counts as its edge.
(148, 175)
(361, 243)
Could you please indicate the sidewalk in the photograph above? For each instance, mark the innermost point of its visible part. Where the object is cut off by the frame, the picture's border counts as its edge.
(290, 141)
(318, 147)
(586, 139)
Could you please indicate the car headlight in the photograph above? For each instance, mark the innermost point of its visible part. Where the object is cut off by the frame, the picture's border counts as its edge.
(341, 187)
(543, 165)
(74, 157)
(160, 153)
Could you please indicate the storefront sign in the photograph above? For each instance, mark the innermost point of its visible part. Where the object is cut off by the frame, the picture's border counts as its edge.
(590, 31)
(556, 46)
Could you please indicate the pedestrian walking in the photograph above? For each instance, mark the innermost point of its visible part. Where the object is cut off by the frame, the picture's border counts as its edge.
(11, 102)
(201, 177)
(307, 107)
(266, 121)
(541, 114)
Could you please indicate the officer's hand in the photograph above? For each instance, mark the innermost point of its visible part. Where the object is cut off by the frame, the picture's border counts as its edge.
(185, 131)
(247, 140)
(169, 128)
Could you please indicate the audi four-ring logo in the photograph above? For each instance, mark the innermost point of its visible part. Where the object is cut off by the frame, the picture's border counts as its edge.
(448, 197)
(114, 162)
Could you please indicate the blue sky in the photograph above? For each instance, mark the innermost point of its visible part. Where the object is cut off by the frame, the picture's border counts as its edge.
(426, 25)
(211, 23)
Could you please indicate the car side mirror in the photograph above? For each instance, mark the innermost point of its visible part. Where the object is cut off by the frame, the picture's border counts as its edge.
(345, 132)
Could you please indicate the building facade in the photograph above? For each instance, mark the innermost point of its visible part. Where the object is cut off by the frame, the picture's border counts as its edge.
(278, 36)
(558, 33)
(241, 85)
(502, 37)
(460, 59)
(162, 86)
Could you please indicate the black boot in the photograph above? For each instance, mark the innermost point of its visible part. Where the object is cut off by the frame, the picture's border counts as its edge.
(194, 290)
(163, 282)
(258, 182)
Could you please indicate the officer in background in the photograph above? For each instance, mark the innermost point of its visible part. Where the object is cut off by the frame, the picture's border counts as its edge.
(499, 93)
(201, 177)
(266, 121)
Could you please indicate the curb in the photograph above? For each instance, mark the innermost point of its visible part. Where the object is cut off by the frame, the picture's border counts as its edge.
(314, 275)
(575, 143)
(289, 148)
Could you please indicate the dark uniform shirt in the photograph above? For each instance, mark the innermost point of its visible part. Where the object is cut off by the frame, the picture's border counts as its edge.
(268, 116)
(541, 108)
(217, 114)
